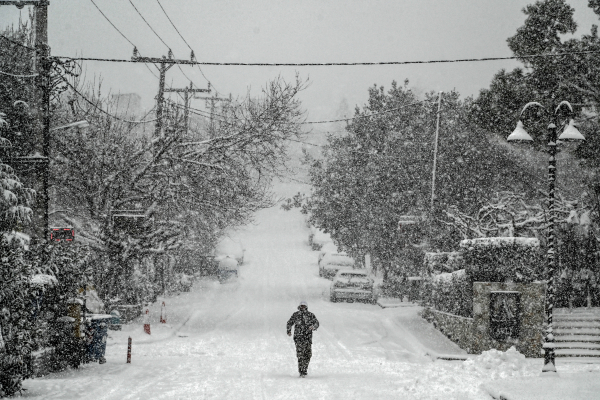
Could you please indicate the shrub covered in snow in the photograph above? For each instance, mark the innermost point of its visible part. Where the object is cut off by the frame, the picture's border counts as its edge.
(68, 265)
(16, 327)
(484, 260)
(451, 293)
(442, 262)
(578, 280)
(498, 259)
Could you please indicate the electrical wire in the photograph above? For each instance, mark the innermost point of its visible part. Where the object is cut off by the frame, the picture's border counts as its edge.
(19, 76)
(102, 110)
(197, 110)
(113, 25)
(312, 122)
(17, 43)
(160, 38)
(149, 26)
(182, 38)
(364, 116)
(343, 64)
(121, 33)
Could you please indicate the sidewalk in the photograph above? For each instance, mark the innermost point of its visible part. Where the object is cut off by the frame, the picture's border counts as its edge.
(393, 302)
(433, 343)
(564, 386)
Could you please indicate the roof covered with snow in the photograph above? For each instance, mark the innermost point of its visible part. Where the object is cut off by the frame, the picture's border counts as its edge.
(499, 242)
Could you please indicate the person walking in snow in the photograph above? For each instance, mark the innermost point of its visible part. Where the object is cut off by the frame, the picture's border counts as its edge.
(304, 323)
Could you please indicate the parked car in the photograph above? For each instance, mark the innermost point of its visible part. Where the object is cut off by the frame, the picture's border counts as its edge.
(317, 238)
(230, 247)
(228, 268)
(328, 247)
(184, 282)
(330, 263)
(353, 284)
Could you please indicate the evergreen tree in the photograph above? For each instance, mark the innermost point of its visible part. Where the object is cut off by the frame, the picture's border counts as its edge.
(16, 327)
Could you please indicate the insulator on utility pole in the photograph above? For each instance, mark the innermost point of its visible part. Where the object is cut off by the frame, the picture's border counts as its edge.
(165, 64)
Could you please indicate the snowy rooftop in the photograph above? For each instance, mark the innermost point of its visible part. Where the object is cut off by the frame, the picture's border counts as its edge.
(500, 241)
(43, 279)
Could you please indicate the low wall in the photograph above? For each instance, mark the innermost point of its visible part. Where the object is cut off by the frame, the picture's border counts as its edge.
(41, 361)
(474, 334)
(458, 329)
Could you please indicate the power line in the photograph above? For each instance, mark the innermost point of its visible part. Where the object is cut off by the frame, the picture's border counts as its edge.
(17, 43)
(319, 122)
(177, 30)
(101, 109)
(19, 76)
(333, 64)
(113, 25)
(158, 36)
(182, 38)
(121, 33)
(149, 26)
(199, 111)
(366, 115)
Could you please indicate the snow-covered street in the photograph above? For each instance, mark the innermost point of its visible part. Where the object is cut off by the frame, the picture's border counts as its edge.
(229, 342)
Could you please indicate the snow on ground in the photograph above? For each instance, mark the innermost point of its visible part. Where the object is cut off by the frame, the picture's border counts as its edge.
(228, 341)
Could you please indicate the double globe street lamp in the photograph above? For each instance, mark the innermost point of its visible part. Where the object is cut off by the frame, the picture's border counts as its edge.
(570, 133)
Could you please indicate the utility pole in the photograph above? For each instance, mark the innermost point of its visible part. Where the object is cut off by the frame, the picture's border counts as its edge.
(41, 65)
(213, 100)
(186, 99)
(165, 63)
(435, 150)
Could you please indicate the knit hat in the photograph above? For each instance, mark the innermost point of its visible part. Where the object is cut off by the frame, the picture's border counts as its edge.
(303, 303)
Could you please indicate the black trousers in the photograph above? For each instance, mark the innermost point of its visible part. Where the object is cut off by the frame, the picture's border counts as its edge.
(304, 353)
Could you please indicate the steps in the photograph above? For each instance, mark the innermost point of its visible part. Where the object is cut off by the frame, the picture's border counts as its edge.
(577, 334)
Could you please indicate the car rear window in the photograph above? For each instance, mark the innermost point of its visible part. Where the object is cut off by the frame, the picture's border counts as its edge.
(354, 276)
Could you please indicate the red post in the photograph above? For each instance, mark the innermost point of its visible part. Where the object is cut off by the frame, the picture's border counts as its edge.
(147, 323)
(129, 350)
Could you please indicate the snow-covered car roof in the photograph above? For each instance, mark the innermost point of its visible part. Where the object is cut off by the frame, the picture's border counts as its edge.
(227, 262)
(228, 246)
(321, 237)
(337, 259)
(329, 247)
(351, 271)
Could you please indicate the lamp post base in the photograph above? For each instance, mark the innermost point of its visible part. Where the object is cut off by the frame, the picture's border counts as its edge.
(549, 365)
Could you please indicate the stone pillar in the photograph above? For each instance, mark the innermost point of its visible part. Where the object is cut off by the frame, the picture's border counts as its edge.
(531, 317)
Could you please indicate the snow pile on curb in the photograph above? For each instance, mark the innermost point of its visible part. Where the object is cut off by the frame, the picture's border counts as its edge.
(498, 364)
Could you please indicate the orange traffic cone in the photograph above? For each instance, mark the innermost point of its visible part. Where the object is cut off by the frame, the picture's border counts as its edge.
(163, 313)
(147, 323)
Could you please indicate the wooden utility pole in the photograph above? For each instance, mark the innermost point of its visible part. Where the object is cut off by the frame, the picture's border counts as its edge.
(41, 65)
(186, 99)
(213, 100)
(165, 63)
(435, 150)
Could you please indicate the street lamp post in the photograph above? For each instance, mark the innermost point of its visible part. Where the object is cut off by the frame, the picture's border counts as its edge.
(569, 134)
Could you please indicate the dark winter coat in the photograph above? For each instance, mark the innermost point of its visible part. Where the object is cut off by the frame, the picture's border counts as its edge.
(302, 321)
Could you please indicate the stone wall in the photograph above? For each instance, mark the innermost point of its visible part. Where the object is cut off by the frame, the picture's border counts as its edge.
(458, 329)
(41, 361)
(473, 334)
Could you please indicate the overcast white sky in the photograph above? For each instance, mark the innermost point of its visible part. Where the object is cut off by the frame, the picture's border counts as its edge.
(294, 31)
